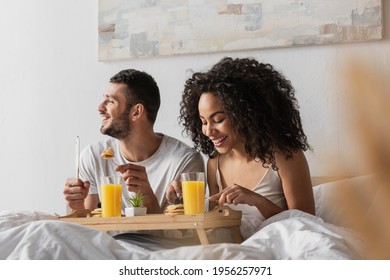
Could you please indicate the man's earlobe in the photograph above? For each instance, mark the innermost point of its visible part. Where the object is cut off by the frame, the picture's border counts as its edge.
(137, 111)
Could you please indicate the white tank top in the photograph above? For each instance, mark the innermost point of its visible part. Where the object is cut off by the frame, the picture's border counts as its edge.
(269, 186)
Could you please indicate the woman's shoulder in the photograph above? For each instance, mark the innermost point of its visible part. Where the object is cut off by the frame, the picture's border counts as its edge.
(212, 164)
(213, 159)
(295, 156)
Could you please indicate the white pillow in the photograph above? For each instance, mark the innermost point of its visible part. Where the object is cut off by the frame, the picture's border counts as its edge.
(331, 199)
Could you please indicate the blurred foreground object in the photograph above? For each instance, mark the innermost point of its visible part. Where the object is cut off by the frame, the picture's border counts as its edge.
(368, 95)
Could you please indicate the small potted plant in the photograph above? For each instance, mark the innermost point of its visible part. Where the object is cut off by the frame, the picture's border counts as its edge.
(137, 209)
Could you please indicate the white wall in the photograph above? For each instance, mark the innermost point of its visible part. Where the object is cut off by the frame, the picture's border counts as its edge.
(51, 84)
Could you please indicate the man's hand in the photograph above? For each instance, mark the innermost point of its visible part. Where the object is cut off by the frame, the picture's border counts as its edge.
(75, 193)
(137, 181)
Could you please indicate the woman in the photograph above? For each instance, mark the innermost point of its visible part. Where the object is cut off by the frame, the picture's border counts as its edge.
(244, 115)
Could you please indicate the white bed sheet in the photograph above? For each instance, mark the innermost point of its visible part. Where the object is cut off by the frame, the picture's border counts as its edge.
(289, 235)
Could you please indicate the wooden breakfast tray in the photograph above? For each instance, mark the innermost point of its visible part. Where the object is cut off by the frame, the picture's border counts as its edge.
(222, 216)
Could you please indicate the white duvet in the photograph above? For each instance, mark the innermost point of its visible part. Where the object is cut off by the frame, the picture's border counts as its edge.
(289, 235)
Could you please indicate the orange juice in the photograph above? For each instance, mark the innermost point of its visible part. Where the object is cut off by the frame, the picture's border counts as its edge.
(111, 200)
(193, 197)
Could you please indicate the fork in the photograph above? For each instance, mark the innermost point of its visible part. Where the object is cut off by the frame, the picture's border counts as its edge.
(112, 159)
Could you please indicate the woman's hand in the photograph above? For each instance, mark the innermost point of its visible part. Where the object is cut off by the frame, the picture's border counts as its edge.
(234, 195)
(173, 192)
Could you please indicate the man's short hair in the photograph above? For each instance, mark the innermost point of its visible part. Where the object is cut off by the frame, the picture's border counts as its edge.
(141, 88)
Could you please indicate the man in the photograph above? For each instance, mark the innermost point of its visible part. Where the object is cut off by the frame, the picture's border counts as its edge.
(149, 162)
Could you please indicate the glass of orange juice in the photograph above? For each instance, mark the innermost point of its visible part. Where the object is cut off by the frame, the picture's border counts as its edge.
(111, 196)
(193, 188)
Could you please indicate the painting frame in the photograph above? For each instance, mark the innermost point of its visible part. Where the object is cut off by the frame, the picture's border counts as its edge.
(154, 28)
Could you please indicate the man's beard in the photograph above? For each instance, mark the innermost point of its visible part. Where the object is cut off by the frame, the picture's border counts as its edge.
(119, 128)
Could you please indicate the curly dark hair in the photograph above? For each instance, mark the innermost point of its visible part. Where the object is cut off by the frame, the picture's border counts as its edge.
(259, 101)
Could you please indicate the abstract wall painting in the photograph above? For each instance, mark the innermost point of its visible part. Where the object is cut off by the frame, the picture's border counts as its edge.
(151, 28)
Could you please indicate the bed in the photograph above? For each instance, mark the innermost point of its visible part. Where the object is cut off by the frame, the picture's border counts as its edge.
(291, 234)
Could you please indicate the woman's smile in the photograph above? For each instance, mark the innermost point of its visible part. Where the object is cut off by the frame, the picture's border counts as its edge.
(219, 142)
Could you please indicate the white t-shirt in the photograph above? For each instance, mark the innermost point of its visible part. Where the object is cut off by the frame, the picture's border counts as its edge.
(172, 158)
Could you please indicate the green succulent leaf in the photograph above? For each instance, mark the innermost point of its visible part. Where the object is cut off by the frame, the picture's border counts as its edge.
(136, 200)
